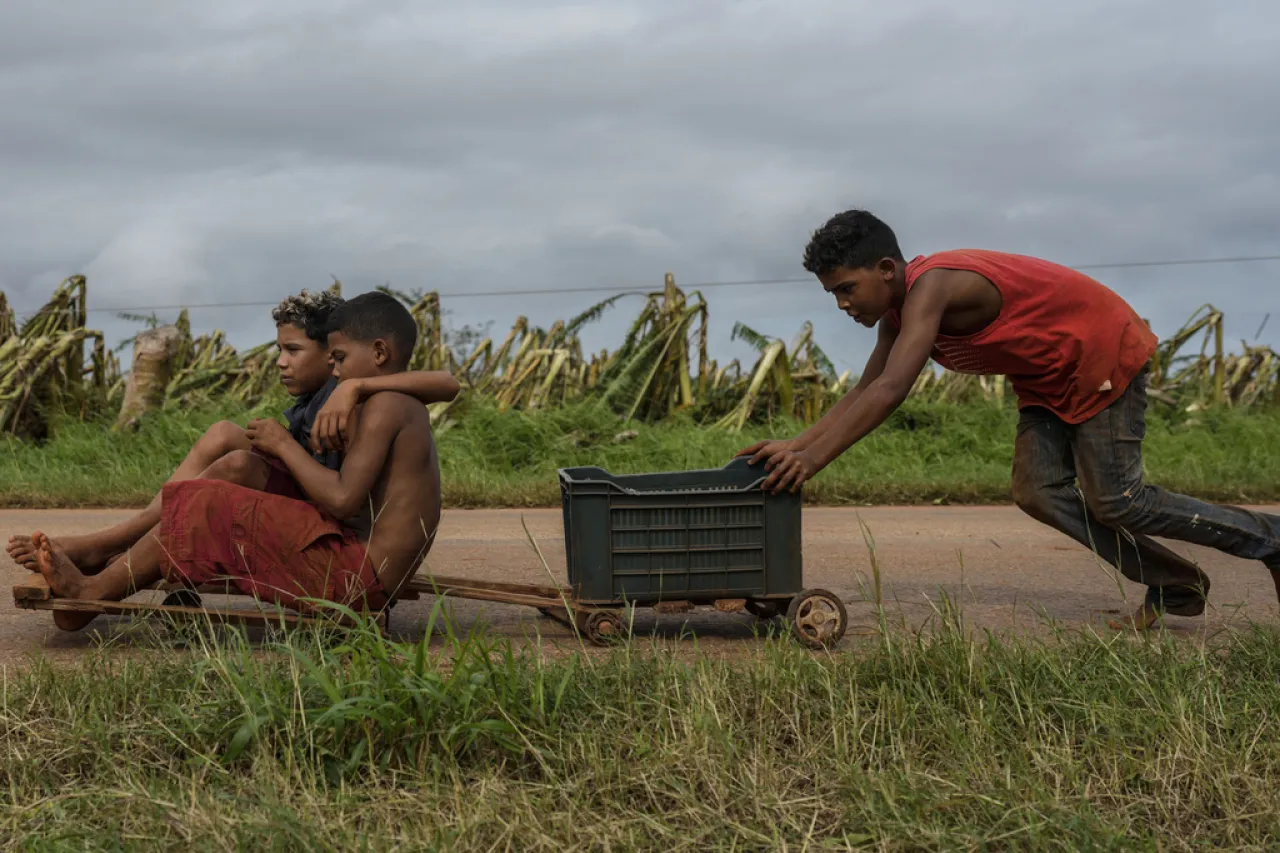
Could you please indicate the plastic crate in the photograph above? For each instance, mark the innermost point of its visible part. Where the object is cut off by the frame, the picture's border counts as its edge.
(695, 536)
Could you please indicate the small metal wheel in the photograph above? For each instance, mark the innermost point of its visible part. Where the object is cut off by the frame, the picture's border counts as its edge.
(183, 598)
(604, 627)
(818, 618)
(764, 608)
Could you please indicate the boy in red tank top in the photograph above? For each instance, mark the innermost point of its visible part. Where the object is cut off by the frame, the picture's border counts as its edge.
(1075, 353)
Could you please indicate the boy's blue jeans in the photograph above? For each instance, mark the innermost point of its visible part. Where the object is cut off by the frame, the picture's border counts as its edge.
(1086, 481)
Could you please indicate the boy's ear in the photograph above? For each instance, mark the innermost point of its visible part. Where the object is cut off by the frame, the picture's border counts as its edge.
(381, 352)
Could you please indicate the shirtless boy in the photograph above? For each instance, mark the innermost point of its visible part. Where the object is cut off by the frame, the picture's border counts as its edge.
(286, 550)
(224, 452)
(1076, 355)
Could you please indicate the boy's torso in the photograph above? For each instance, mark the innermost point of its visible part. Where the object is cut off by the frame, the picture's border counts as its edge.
(405, 499)
(1065, 341)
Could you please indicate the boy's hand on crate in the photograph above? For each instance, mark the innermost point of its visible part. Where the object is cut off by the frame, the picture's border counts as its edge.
(762, 450)
(789, 470)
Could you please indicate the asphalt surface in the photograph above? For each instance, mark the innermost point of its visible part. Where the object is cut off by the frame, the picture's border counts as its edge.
(1006, 571)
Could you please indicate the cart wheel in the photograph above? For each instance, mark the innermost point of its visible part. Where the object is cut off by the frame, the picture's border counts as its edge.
(764, 608)
(604, 627)
(183, 598)
(818, 618)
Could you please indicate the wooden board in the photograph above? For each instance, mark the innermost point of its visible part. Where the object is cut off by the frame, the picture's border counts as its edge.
(34, 594)
(34, 588)
(122, 608)
(429, 583)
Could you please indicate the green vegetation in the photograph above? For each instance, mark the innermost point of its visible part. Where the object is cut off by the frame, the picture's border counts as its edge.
(935, 742)
(534, 402)
(927, 452)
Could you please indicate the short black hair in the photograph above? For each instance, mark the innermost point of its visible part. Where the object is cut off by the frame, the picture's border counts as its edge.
(309, 312)
(854, 240)
(374, 315)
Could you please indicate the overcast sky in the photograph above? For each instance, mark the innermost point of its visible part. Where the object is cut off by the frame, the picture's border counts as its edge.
(184, 152)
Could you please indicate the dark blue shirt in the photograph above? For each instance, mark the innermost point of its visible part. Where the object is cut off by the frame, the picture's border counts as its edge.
(302, 418)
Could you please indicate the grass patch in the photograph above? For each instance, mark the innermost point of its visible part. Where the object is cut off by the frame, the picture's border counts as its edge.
(935, 742)
(924, 453)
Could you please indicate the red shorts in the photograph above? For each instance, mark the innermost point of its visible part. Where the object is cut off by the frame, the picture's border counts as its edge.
(279, 480)
(269, 546)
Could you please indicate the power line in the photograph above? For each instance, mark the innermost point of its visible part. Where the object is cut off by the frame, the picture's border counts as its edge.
(555, 291)
(1244, 259)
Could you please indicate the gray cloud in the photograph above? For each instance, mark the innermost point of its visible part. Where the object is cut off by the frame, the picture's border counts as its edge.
(210, 153)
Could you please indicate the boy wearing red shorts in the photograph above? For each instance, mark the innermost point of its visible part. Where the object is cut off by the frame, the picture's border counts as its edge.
(224, 452)
(1076, 355)
(286, 550)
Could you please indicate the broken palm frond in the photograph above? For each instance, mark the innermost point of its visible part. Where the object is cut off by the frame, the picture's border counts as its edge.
(43, 366)
(660, 370)
(1213, 376)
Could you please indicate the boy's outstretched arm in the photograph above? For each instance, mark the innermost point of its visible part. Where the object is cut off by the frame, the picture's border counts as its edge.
(921, 316)
(342, 493)
(885, 336)
(331, 430)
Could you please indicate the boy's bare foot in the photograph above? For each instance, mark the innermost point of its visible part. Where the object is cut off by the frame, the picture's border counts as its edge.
(65, 580)
(1144, 618)
(22, 552)
(89, 556)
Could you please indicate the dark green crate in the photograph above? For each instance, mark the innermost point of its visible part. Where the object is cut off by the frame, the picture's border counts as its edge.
(685, 536)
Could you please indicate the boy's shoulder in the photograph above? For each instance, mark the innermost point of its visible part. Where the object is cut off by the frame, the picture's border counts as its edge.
(394, 406)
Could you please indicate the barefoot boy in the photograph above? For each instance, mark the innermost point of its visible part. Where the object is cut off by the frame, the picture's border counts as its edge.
(1076, 355)
(286, 550)
(224, 452)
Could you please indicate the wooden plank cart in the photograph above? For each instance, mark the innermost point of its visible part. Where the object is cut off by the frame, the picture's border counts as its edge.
(670, 541)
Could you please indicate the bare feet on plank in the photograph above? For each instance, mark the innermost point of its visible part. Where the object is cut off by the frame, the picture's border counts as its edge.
(89, 557)
(64, 579)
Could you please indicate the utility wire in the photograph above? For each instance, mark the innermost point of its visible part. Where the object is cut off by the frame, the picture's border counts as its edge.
(649, 289)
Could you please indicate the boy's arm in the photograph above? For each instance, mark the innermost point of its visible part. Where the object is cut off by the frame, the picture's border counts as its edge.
(885, 336)
(331, 428)
(342, 493)
(921, 316)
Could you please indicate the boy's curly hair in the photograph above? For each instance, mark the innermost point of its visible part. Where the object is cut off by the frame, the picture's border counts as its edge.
(854, 239)
(309, 312)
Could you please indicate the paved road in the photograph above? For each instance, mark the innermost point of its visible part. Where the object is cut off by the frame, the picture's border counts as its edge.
(1008, 571)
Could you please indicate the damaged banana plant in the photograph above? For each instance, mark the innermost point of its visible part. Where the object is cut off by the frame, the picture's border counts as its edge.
(52, 363)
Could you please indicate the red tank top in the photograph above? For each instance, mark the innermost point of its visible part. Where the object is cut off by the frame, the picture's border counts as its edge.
(1065, 341)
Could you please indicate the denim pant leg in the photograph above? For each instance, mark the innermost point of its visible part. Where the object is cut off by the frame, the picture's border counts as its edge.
(1044, 486)
(1108, 451)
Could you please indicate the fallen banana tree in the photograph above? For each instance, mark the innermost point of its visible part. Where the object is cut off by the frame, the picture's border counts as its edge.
(662, 369)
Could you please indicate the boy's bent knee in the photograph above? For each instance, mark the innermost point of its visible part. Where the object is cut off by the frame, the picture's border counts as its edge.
(1033, 498)
(1122, 511)
(240, 467)
(222, 438)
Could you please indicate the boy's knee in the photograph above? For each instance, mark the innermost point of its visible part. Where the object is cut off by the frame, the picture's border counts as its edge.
(1036, 503)
(1119, 511)
(1032, 497)
(238, 466)
(222, 438)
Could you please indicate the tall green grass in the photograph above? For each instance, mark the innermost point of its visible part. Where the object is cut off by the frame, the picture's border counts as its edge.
(929, 742)
(924, 453)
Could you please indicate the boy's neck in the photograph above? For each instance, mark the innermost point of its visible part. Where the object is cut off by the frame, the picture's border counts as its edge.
(898, 287)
